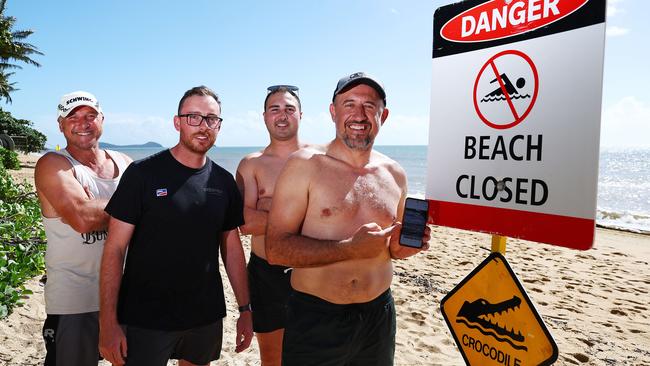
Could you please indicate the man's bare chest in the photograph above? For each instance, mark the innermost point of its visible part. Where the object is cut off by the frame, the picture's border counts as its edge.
(348, 200)
(266, 175)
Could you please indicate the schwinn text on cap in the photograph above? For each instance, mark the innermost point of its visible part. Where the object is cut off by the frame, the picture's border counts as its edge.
(77, 99)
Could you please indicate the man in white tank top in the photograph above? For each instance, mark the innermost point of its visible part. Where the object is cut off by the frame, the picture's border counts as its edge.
(73, 186)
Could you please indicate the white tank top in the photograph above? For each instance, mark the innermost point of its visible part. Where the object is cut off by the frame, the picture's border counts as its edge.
(72, 259)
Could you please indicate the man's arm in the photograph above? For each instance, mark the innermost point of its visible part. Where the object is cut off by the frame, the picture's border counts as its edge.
(232, 255)
(284, 242)
(112, 341)
(62, 196)
(255, 220)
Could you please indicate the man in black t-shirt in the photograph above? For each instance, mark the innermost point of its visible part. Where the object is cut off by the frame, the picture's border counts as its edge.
(174, 211)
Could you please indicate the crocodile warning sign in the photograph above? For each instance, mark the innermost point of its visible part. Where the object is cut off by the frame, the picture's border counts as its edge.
(494, 322)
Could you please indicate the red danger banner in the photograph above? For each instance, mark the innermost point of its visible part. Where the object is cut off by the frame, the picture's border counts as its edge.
(498, 19)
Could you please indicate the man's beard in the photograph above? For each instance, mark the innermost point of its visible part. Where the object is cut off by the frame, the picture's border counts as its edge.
(196, 147)
(358, 144)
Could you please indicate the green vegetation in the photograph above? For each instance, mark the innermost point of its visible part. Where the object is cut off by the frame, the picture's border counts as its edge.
(9, 159)
(22, 240)
(14, 50)
(21, 127)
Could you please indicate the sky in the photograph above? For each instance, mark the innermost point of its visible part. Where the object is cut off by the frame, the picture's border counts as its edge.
(139, 57)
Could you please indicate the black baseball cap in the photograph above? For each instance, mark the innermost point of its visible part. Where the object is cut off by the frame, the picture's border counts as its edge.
(359, 78)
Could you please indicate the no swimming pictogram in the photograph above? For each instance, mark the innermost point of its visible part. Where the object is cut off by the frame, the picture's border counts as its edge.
(505, 89)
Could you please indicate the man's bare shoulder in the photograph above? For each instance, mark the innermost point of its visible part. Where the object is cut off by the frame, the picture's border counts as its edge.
(381, 159)
(49, 167)
(52, 160)
(249, 161)
(316, 148)
(309, 152)
(255, 155)
(389, 164)
(306, 159)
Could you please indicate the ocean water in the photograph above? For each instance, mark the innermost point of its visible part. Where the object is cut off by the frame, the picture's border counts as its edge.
(623, 182)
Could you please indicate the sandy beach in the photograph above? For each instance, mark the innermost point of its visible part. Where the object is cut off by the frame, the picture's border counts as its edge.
(595, 303)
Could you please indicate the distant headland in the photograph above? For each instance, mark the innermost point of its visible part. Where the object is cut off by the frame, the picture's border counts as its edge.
(106, 145)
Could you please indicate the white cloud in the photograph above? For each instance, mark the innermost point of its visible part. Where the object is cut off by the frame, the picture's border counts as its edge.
(129, 128)
(613, 8)
(318, 129)
(614, 31)
(243, 129)
(393, 10)
(404, 130)
(626, 123)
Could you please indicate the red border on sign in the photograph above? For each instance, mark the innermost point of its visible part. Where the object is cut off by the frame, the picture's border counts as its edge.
(565, 231)
(490, 63)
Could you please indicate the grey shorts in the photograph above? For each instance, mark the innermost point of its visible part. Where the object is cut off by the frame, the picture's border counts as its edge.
(71, 339)
(150, 347)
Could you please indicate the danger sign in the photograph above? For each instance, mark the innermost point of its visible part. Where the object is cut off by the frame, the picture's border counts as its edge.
(500, 19)
(515, 118)
(500, 102)
(494, 322)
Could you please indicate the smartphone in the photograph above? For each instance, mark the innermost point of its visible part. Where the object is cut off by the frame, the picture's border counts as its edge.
(416, 213)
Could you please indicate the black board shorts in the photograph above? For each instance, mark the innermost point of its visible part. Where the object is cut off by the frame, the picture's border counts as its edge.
(321, 333)
(269, 287)
(71, 339)
(150, 347)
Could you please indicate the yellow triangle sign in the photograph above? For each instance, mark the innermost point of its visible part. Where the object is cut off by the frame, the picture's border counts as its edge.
(494, 322)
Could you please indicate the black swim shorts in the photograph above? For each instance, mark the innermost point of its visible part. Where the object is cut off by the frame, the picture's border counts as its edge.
(148, 347)
(321, 333)
(269, 289)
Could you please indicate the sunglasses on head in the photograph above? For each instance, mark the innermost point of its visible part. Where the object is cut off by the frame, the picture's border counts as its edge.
(274, 88)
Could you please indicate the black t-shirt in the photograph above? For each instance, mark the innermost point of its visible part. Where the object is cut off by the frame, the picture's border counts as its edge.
(171, 277)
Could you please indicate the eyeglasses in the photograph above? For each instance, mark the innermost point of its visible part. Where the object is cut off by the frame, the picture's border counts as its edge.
(196, 119)
(274, 88)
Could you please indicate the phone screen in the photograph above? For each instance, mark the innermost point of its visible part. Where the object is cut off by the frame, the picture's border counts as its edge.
(416, 212)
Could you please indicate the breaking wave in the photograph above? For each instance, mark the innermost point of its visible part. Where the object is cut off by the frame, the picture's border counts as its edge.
(626, 221)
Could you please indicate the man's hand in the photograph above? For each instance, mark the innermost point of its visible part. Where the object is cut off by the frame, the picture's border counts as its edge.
(398, 251)
(112, 343)
(370, 240)
(244, 331)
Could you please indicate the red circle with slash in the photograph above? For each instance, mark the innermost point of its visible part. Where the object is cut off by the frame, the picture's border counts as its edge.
(516, 117)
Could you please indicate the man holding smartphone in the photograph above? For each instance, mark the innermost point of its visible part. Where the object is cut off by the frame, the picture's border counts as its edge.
(334, 220)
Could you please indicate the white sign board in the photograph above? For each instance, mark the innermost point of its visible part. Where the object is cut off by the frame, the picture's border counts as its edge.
(515, 118)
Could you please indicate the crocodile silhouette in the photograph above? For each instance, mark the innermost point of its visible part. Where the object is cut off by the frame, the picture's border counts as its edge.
(475, 315)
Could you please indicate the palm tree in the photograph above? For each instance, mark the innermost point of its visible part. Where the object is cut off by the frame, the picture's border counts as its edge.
(12, 49)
